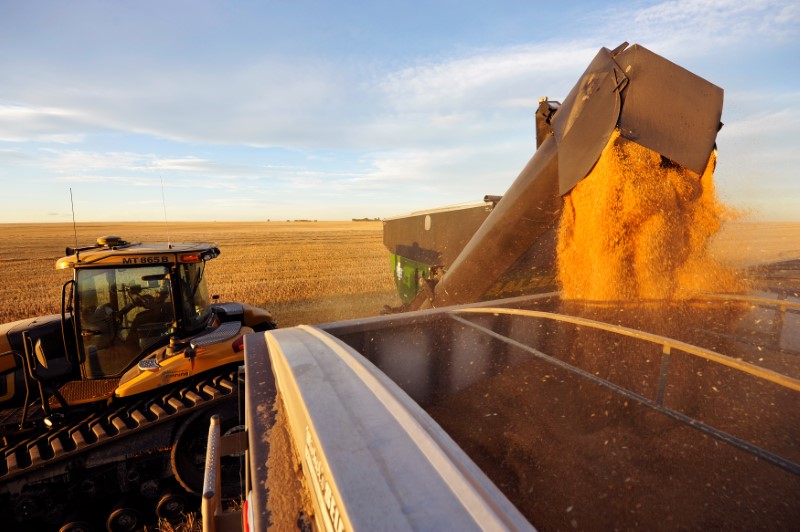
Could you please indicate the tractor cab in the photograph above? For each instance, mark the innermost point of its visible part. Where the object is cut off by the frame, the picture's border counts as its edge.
(128, 299)
(121, 312)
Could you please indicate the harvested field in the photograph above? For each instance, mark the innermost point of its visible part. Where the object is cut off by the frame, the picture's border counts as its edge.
(303, 272)
(741, 244)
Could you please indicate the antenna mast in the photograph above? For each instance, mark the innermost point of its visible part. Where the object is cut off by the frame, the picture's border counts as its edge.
(164, 203)
(74, 228)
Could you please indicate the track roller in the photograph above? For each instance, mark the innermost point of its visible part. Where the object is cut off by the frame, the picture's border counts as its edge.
(172, 505)
(77, 523)
(125, 516)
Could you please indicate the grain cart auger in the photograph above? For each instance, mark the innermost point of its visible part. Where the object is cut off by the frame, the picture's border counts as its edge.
(507, 246)
(104, 406)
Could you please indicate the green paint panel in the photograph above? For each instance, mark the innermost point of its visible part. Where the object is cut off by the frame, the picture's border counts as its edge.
(407, 274)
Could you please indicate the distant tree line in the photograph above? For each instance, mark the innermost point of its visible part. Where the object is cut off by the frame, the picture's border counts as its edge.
(366, 219)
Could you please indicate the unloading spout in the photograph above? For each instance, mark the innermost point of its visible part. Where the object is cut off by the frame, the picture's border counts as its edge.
(652, 101)
(648, 99)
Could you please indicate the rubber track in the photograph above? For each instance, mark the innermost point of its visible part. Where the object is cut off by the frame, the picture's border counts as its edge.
(116, 423)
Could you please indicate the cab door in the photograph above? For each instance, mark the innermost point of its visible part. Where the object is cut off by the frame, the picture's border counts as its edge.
(123, 312)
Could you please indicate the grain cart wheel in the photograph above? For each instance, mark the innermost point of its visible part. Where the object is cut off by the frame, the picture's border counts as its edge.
(188, 455)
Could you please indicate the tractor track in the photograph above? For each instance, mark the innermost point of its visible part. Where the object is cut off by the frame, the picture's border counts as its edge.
(119, 421)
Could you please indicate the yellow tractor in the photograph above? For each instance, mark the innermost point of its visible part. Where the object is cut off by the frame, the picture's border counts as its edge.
(103, 407)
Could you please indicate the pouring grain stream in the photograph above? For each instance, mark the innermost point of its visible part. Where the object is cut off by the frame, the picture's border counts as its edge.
(638, 227)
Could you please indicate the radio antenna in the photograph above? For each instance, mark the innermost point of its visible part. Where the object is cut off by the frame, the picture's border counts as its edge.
(164, 203)
(74, 228)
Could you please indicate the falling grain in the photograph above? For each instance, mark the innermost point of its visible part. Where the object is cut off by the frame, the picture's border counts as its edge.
(639, 227)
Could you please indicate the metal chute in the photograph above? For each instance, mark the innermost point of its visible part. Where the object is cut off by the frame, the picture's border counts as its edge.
(649, 99)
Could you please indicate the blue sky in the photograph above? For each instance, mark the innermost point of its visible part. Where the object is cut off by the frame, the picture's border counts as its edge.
(331, 110)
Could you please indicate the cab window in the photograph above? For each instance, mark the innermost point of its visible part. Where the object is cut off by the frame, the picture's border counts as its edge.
(194, 295)
(123, 311)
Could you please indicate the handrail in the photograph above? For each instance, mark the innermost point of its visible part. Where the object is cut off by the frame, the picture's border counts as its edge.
(212, 488)
(746, 367)
(756, 300)
(213, 517)
(64, 308)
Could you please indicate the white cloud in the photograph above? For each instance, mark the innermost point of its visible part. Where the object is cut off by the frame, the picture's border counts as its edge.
(204, 167)
(15, 156)
(150, 182)
(95, 166)
(487, 78)
(776, 116)
(105, 179)
(456, 123)
(263, 103)
(461, 173)
(765, 132)
(23, 123)
(692, 25)
(79, 161)
(311, 103)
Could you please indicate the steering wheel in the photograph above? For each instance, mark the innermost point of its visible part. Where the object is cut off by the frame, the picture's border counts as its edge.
(144, 300)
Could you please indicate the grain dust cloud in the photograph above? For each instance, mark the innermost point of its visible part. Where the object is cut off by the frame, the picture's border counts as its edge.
(638, 228)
